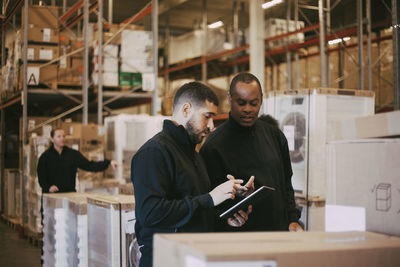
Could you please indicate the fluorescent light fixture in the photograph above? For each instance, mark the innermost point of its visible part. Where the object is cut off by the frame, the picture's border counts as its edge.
(215, 25)
(271, 3)
(339, 40)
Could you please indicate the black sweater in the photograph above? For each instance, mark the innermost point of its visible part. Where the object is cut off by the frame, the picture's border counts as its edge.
(260, 150)
(60, 170)
(171, 187)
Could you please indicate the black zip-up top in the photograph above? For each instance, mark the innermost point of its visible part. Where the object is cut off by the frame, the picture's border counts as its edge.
(60, 169)
(171, 188)
(260, 150)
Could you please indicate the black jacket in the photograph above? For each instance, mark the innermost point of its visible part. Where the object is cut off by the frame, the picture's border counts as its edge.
(260, 150)
(60, 170)
(171, 188)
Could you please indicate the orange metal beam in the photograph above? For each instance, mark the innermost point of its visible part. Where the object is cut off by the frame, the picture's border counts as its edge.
(11, 102)
(144, 12)
(71, 11)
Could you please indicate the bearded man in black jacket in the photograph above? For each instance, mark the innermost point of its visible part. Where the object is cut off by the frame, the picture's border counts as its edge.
(172, 189)
(246, 146)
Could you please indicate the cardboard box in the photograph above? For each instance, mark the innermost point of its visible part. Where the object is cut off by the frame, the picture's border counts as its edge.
(42, 52)
(365, 173)
(48, 35)
(276, 249)
(42, 16)
(41, 75)
(374, 126)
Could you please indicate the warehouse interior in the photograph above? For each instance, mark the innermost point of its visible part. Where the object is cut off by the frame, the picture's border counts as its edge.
(106, 73)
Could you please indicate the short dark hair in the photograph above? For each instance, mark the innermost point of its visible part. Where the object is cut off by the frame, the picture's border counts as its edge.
(196, 93)
(269, 119)
(243, 77)
(53, 131)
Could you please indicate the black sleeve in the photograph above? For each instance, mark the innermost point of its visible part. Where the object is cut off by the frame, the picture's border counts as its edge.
(293, 212)
(152, 174)
(42, 172)
(87, 165)
(214, 164)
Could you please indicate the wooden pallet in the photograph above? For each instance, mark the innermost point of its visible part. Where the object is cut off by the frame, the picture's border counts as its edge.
(14, 223)
(36, 239)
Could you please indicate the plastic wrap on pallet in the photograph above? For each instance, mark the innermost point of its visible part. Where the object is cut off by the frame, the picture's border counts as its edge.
(112, 220)
(128, 132)
(306, 117)
(189, 45)
(13, 196)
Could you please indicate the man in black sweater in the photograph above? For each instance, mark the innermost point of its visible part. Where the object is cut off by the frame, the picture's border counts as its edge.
(58, 165)
(246, 146)
(172, 189)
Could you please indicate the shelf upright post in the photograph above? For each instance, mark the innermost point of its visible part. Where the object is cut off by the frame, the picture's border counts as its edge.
(100, 64)
(296, 53)
(328, 31)
(85, 82)
(166, 55)
(110, 11)
(204, 44)
(64, 7)
(369, 33)
(154, 25)
(288, 55)
(396, 52)
(257, 42)
(24, 96)
(360, 44)
(235, 31)
(322, 42)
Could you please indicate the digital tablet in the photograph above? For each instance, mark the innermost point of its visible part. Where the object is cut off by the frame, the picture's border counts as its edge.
(251, 199)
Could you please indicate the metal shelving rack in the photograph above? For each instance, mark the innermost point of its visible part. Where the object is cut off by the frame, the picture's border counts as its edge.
(324, 34)
(106, 100)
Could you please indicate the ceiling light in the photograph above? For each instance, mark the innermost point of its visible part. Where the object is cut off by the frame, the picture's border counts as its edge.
(215, 25)
(271, 3)
(339, 40)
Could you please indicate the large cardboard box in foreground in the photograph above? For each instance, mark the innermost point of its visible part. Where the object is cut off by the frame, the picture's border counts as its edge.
(366, 173)
(276, 249)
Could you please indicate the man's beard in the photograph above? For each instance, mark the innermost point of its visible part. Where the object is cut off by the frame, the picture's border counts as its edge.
(191, 130)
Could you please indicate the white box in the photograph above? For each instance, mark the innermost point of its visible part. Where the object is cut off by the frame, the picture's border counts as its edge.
(366, 173)
(109, 78)
(128, 132)
(308, 114)
(189, 45)
(374, 126)
(132, 64)
(111, 232)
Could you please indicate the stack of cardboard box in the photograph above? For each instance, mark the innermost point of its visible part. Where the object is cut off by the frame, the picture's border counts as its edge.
(42, 45)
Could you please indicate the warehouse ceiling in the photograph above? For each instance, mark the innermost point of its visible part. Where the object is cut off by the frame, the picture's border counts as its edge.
(185, 15)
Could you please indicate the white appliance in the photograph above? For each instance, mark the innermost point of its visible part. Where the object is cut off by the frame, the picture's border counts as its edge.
(306, 117)
(111, 235)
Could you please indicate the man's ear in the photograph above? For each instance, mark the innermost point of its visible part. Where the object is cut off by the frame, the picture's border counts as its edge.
(186, 109)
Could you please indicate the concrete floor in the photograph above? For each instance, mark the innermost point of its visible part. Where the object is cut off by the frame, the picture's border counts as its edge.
(15, 251)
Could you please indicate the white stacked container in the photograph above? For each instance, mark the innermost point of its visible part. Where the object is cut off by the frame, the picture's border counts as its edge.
(55, 230)
(306, 117)
(111, 236)
(77, 230)
(13, 193)
(125, 134)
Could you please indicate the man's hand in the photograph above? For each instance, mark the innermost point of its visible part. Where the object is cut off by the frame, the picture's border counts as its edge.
(53, 189)
(224, 191)
(114, 164)
(240, 219)
(245, 190)
(295, 227)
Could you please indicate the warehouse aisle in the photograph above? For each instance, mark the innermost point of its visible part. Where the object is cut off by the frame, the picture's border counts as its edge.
(15, 251)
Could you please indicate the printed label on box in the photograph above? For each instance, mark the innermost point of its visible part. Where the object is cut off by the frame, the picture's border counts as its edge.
(148, 81)
(31, 54)
(46, 54)
(33, 75)
(46, 35)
